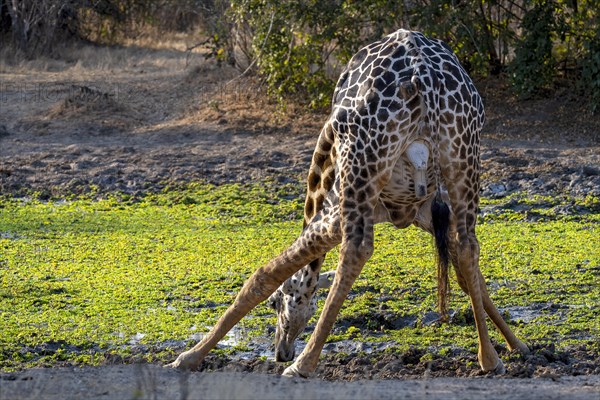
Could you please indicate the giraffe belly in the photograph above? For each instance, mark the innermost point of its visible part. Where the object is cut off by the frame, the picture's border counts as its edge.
(399, 196)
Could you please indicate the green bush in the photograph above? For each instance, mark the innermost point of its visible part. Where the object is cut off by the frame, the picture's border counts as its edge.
(476, 34)
(590, 71)
(533, 67)
(299, 47)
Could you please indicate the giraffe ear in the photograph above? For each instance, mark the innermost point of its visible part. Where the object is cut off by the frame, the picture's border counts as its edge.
(326, 279)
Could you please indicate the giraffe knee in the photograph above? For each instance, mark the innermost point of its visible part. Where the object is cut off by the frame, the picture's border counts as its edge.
(360, 252)
(461, 280)
(358, 248)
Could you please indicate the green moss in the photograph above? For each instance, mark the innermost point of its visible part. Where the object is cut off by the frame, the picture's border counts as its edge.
(86, 281)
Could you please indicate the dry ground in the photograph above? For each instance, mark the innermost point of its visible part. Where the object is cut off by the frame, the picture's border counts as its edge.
(136, 119)
(153, 382)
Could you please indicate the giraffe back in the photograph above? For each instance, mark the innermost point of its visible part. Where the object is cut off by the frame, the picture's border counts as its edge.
(403, 89)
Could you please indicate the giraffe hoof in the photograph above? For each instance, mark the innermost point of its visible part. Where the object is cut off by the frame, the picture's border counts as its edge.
(522, 348)
(183, 363)
(500, 369)
(173, 365)
(293, 371)
(178, 365)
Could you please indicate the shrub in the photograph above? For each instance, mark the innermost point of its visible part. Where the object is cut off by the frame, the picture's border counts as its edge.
(590, 71)
(300, 46)
(533, 67)
(36, 26)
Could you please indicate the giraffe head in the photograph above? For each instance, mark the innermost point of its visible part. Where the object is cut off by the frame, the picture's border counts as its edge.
(295, 303)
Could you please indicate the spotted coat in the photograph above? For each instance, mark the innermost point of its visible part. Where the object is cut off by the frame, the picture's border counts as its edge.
(401, 145)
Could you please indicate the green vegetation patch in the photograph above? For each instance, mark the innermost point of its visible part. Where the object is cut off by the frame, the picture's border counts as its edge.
(90, 281)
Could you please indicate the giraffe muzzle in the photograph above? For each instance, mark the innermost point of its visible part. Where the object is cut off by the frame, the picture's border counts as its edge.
(284, 352)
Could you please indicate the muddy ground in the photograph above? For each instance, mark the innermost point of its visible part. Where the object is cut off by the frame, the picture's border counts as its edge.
(135, 120)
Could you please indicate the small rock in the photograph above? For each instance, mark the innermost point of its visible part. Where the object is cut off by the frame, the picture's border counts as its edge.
(3, 131)
(495, 190)
(586, 170)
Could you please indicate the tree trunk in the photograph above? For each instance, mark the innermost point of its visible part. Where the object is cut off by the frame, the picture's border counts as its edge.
(18, 27)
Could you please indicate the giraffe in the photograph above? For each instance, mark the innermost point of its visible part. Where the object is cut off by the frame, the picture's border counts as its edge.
(401, 145)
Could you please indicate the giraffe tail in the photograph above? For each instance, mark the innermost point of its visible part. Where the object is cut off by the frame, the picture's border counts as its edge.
(440, 218)
(440, 212)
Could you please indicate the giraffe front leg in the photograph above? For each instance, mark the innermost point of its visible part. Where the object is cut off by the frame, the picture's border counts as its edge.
(257, 288)
(352, 259)
(355, 250)
(314, 241)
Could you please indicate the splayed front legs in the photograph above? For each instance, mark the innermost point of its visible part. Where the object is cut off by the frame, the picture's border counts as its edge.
(314, 241)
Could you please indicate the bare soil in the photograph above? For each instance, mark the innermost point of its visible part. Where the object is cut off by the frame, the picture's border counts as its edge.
(135, 120)
(153, 382)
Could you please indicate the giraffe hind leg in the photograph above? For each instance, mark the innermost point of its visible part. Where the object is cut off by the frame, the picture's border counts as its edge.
(468, 265)
(514, 344)
(316, 239)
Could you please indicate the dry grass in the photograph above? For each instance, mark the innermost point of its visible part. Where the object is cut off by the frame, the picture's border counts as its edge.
(83, 100)
(149, 50)
(155, 39)
(139, 89)
(158, 85)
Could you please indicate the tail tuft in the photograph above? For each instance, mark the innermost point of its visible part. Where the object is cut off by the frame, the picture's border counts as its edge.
(440, 219)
